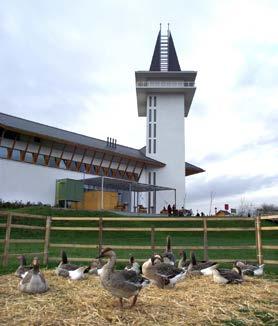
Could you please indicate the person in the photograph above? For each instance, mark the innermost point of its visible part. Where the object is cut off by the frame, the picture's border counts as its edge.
(198, 214)
(202, 214)
(174, 210)
(169, 210)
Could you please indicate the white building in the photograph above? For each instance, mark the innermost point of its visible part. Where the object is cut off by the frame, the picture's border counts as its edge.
(33, 156)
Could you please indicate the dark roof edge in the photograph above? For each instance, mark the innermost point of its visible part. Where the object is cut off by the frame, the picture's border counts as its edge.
(147, 160)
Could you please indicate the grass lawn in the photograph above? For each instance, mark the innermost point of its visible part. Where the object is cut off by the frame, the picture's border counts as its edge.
(231, 238)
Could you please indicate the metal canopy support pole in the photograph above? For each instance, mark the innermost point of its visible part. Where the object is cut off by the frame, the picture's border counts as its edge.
(137, 202)
(134, 207)
(102, 183)
(130, 199)
(154, 201)
(175, 197)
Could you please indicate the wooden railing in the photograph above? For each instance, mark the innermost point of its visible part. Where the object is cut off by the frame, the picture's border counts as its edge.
(101, 228)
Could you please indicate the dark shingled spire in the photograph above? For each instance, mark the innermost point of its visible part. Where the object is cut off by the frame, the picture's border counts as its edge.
(172, 58)
(155, 65)
(173, 61)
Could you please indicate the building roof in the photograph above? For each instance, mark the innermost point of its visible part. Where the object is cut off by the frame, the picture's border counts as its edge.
(120, 184)
(192, 169)
(56, 134)
(165, 49)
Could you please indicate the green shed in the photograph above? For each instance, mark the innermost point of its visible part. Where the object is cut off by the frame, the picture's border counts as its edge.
(69, 190)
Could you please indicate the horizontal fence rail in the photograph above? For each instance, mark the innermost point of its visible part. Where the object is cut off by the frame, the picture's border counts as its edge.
(100, 228)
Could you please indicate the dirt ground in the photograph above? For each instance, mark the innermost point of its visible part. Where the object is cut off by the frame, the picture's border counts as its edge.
(195, 301)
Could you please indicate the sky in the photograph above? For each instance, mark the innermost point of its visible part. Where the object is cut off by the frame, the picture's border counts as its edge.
(70, 64)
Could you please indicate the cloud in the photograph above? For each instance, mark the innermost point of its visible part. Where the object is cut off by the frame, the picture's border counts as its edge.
(227, 186)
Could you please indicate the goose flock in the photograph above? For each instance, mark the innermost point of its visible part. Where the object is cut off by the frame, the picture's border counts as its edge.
(162, 270)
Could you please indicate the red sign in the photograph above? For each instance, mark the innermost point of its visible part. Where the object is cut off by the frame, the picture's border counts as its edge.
(226, 206)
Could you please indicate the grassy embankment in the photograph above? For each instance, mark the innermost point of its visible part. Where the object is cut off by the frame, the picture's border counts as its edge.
(135, 238)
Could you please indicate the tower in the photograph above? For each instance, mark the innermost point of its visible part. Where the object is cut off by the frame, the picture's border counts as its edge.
(164, 96)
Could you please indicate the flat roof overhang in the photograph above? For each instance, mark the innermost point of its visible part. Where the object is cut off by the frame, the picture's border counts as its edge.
(142, 92)
(191, 169)
(124, 185)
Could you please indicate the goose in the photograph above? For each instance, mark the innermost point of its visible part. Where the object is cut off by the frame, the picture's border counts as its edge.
(201, 268)
(96, 267)
(182, 262)
(251, 270)
(34, 281)
(162, 274)
(233, 276)
(22, 269)
(133, 266)
(121, 284)
(168, 256)
(64, 266)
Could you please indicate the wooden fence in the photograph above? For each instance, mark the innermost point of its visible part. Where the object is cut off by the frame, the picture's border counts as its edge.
(48, 227)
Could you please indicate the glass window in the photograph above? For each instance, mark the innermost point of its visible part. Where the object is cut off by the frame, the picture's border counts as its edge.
(150, 145)
(150, 130)
(16, 155)
(154, 101)
(52, 162)
(154, 178)
(154, 130)
(3, 152)
(154, 145)
(154, 115)
(150, 101)
(40, 160)
(28, 157)
(82, 167)
(150, 115)
(62, 165)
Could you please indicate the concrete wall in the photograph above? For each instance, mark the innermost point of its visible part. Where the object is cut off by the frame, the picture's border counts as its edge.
(170, 148)
(29, 182)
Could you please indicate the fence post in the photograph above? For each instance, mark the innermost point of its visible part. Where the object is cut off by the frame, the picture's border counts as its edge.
(205, 227)
(153, 238)
(46, 239)
(259, 240)
(7, 240)
(100, 234)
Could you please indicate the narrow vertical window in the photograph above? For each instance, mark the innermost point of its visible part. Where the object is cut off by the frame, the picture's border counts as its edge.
(150, 178)
(150, 145)
(150, 101)
(154, 130)
(154, 178)
(150, 115)
(154, 115)
(154, 145)
(150, 130)
(154, 101)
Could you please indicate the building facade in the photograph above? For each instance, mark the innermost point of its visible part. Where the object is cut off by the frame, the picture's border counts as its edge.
(33, 156)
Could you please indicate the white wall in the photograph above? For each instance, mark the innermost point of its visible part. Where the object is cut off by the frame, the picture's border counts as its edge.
(170, 148)
(29, 182)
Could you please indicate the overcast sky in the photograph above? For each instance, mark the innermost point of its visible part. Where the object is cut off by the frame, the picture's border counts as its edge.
(71, 64)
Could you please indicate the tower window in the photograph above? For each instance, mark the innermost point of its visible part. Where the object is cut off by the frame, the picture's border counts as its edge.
(150, 115)
(150, 101)
(154, 178)
(154, 130)
(154, 101)
(150, 145)
(150, 130)
(150, 178)
(154, 145)
(154, 115)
